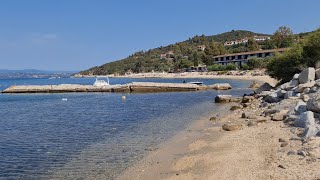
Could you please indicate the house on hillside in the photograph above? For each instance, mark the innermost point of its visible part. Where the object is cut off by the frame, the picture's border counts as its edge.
(201, 47)
(245, 40)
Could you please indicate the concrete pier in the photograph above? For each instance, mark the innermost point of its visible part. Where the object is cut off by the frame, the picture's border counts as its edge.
(131, 87)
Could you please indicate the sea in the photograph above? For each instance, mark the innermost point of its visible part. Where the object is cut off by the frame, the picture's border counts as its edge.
(76, 135)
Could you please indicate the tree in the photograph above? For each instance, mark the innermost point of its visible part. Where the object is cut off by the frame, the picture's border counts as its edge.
(284, 66)
(283, 37)
(213, 49)
(311, 49)
(252, 45)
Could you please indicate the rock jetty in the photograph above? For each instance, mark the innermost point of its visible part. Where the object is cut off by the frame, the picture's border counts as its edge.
(130, 87)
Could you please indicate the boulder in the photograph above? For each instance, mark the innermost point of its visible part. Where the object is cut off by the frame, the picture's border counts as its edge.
(281, 93)
(305, 119)
(220, 86)
(302, 87)
(222, 98)
(272, 98)
(314, 103)
(307, 75)
(286, 86)
(268, 112)
(300, 107)
(306, 90)
(263, 87)
(310, 131)
(305, 97)
(279, 116)
(231, 127)
(294, 83)
(317, 74)
(318, 83)
(295, 77)
(289, 94)
(313, 89)
(247, 99)
(233, 108)
(264, 93)
(254, 85)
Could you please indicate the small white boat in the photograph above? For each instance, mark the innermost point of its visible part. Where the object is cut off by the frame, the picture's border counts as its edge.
(101, 83)
(196, 82)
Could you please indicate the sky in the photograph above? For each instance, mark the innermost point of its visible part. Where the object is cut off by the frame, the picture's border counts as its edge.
(75, 35)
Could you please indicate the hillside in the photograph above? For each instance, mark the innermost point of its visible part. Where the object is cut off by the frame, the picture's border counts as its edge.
(180, 55)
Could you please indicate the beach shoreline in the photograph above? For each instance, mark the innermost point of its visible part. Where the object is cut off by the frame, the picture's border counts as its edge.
(259, 147)
(236, 75)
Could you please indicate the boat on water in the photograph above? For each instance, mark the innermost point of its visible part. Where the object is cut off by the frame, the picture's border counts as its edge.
(101, 82)
(196, 82)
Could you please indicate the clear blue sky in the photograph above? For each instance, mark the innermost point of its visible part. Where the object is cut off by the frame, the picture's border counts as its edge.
(78, 34)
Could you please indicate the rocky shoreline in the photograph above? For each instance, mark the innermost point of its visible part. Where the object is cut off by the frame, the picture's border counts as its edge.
(270, 134)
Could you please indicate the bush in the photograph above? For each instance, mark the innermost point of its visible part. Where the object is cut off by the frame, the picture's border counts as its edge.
(216, 67)
(245, 67)
(284, 66)
(255, 63)
(231, 67)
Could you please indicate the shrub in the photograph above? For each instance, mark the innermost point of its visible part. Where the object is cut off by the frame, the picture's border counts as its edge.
(245, 67)
(216, 67)
(255, 63)
(231, 67)
(301, 55)
(284, 66)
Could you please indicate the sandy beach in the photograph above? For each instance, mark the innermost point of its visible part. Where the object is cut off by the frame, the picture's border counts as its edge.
(257, 75)
(260, 148)
(205, 151)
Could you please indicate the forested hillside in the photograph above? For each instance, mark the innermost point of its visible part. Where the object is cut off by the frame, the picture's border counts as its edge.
(189, 53)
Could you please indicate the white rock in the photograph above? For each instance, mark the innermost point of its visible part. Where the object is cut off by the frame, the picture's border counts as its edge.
(296, 77)
(220, 86)
(317, 74)
(302, 87)
(307, 75)
(305, 119)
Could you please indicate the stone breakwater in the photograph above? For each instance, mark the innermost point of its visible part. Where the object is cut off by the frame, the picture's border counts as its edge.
(130, 87)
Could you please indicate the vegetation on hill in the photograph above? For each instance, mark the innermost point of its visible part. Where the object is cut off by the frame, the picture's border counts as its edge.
(305, 53)
(189, 53)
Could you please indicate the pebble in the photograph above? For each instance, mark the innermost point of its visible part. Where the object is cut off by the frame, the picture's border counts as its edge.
(302, 153)
(282, 140)
(284, 144)
(292, 152)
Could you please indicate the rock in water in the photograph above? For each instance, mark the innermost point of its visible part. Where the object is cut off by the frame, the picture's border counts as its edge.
(231, 127)
(220, 86)
(222, 98)
(307, 75)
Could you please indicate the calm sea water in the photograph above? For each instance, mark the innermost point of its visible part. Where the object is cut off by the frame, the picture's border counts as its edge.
(42, 136)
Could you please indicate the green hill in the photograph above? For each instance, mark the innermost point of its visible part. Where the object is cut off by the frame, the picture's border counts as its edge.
(180, 55)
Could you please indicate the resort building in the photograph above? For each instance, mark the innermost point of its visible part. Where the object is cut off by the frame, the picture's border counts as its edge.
(241, 58)
(245, 40)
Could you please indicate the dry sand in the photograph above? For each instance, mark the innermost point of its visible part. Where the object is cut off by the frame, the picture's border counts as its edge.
(205, 151)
